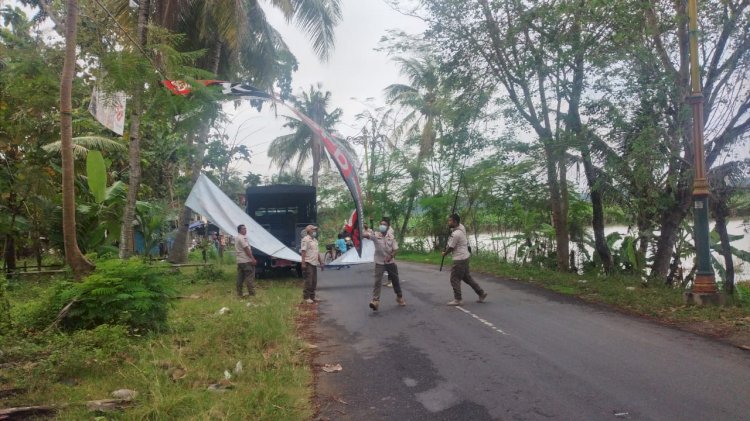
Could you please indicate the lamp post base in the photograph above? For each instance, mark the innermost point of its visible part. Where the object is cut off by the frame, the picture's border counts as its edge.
(705, 283)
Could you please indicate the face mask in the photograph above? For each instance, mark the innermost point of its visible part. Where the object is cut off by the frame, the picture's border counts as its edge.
(314, 234)
(383, 228)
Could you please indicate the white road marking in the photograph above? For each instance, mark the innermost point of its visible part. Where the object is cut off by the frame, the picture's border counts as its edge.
(485, 322)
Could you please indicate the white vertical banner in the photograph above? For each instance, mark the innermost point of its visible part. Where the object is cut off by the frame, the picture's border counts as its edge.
(109, 109)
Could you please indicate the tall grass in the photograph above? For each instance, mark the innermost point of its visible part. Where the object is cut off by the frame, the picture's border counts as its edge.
(173, 370)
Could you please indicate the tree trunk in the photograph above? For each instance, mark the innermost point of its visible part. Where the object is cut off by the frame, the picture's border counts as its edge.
(584, 141)
(562, 231)
(425, 147)
(126, 231)
(669, 227)
(597, 224)
(316, 143)
(179, 252)
(721, 211)
(559, 209)
(10, 254)
(73, 256)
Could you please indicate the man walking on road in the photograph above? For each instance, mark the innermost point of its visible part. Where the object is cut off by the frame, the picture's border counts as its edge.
(459, 248)
(385, 259)
(245, 262)
(309, 263)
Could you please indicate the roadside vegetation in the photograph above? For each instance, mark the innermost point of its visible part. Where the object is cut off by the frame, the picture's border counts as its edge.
(195, 351)
(626, 293)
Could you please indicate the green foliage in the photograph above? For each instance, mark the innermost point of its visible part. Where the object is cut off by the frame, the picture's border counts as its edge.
(129, 293)
(96, 175)
(56, 367)
(5, 320)
(626, 258)
(153, 222)
(209, 273)
(70, 355)
(40, 308)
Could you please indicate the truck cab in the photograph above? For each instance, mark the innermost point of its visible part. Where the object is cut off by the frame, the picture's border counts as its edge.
(284, 210)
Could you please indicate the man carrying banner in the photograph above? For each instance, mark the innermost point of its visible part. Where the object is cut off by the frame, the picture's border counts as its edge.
(309, 263)
(385, 259)
(458, 246)
(245, 262)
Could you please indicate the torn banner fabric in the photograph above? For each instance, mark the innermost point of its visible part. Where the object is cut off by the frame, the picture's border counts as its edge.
(208, 200)
(352, 258)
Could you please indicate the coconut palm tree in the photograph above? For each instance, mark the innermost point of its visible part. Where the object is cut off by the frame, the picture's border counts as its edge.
(73, 255)
(243, 45)
(302, 145)
(423, 100)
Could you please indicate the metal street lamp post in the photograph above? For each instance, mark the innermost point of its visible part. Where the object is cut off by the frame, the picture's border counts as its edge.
(705, 279)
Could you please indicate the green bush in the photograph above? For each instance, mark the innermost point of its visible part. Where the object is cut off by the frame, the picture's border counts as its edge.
(128, 293)
(39, 312)
(208, 273)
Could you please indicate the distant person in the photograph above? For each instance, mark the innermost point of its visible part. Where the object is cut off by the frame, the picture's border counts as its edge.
(458, 246)
(385, 259)
(245, 262)
(390, 229)
(309, 263)
(340, 245)
(367, 230)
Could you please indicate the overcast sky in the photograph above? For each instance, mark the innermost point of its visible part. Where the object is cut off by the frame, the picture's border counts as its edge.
(354, 73)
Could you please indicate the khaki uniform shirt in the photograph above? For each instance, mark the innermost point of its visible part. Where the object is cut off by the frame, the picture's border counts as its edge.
(240, 242)
(459, 243)
(309, 245)
(385, 246)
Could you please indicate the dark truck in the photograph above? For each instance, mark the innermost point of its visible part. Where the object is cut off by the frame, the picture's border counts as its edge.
(284, 210)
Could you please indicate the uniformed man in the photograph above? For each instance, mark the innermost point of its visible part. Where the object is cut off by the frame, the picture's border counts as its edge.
(309, 263)
(458, 246)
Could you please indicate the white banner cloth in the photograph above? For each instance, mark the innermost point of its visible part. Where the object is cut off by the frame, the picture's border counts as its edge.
(351, 257)
(208, 200)
(109, 109)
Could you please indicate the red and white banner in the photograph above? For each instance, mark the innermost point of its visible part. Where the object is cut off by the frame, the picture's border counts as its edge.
(335, 149)
(348, 172)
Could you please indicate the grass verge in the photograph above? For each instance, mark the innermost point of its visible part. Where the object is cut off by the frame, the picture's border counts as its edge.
(625, 293)
(172, 371)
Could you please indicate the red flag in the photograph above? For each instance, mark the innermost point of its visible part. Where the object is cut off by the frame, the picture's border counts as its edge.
(180, 87)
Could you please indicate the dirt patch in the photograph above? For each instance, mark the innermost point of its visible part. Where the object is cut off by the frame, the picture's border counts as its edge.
(723, 330)
(306, 322)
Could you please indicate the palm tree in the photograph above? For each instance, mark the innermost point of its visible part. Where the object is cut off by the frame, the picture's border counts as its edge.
(422, 97)
(73, 255)
(242, 44)
(303, 144)
(134, 146)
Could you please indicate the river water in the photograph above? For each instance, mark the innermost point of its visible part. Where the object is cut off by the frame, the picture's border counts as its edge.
(505, 247)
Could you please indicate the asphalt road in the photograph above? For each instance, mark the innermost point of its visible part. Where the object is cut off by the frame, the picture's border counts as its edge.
(525, 354)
